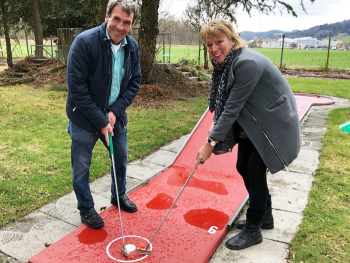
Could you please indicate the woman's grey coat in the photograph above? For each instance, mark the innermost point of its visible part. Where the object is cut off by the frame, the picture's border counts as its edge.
(262, 102)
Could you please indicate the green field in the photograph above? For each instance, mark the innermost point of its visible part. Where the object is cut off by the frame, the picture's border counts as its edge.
(291, 58)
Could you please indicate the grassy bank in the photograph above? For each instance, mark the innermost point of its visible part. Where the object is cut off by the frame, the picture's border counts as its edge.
(324, 235)
(291, 57)
(35, 150)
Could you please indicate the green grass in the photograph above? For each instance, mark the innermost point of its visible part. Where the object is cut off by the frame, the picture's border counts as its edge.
(324, 235)
(35, 164)
(307, 58)
(21, 51)
(291, 57)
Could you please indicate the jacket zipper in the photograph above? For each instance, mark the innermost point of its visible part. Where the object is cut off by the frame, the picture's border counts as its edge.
(126, 62)
(279, 156)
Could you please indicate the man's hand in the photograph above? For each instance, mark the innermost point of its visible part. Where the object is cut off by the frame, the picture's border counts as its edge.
(107, 130)
(112, 119)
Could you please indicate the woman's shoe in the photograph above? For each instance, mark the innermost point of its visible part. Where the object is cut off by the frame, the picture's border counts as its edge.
(250, 234)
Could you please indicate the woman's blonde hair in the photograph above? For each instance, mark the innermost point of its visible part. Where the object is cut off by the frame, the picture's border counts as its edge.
(219, 27)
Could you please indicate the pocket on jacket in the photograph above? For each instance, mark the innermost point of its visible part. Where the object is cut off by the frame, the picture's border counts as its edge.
(277, 103)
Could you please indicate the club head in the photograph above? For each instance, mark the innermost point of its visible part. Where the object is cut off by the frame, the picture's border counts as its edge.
(125, 252)
(144, 251)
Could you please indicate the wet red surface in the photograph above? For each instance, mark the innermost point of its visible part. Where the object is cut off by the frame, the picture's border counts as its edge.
(207, 218)
(161, 201)
(192, 231)
(179, 176)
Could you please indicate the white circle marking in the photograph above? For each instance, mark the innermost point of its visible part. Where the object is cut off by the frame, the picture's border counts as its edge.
(107, 249)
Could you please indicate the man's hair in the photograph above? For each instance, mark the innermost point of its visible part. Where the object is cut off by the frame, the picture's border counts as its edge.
(128, 6)
(219, 27)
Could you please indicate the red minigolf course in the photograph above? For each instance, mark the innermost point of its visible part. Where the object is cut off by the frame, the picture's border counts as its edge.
(195, 226)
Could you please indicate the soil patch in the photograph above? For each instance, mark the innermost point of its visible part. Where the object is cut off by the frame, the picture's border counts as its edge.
(331, 73)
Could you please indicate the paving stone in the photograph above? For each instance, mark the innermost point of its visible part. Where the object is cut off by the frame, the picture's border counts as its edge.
(307, 162)
(6, 259)
(267, 252)
(65, 208)
(297, 181)
(176, 145)
(160, 157)
(288, 199)
(142, 170)
(286, 226)
(28, 236)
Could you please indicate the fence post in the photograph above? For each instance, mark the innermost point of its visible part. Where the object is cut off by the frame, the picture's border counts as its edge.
(329, 47)
(282, 51)
(163, 48)
(51, 46)
(199, 51)
(26, 34)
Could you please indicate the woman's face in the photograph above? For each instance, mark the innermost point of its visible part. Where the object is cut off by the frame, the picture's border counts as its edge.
(218, 47)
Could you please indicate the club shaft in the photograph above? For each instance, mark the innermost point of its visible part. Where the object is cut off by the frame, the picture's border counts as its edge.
(116, 190)
(170, 208)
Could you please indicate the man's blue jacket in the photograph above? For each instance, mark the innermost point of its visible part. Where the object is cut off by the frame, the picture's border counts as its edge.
(89, 79)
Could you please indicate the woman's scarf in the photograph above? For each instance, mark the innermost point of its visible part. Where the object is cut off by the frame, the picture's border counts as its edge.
(217, 97)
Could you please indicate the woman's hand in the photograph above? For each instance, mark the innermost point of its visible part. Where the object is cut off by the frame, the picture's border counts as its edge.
(203, 154)
(210, 129)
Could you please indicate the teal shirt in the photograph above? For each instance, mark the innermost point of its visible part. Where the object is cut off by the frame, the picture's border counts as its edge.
(117, 70)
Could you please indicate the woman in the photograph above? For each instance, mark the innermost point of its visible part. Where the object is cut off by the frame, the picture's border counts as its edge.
(254, 107)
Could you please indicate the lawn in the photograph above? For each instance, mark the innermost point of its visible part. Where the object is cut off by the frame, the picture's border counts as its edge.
(324, 235)
(291, 57)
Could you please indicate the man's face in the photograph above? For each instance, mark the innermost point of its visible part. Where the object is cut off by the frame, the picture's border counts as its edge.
(119, 24)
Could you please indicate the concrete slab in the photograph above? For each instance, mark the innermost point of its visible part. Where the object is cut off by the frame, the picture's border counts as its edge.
(288, 199)
(160, 157)
(307, 162)
(176, 145)
(102, 186)
(286, 226)
(6, 259)
(28, 236)
(292, 180)
(267, 252)
(141, 171)
(65, 208)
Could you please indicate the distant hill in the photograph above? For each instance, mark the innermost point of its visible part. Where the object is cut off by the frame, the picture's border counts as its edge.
(249, 35)
(318, 32)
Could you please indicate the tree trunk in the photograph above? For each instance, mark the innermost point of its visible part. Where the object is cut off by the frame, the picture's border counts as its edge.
(103, 10)
(6, 33)
(205, 52)
(147, 36)
(38, 30)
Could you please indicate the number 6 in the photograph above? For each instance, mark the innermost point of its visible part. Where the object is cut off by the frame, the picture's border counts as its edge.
(212, 230)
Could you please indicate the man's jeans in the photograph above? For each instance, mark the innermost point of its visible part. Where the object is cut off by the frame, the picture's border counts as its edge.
(83, 143)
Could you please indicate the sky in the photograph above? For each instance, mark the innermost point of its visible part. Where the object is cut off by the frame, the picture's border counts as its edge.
(318, 13)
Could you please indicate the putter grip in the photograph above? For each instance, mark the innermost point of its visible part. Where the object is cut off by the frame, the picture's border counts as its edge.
(110, 141)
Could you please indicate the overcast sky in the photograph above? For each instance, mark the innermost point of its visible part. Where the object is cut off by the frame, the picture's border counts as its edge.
(318, 13)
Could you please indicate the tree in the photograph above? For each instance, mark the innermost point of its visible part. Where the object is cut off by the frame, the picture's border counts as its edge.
(4, 15)
(148, 36)
(202, 12)
(38, 29)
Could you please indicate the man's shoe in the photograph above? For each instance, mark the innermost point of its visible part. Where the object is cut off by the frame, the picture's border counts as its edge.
(125, 204)
(92, 219)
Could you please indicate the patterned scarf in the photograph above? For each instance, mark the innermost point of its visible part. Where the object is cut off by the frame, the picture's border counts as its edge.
(217, 97)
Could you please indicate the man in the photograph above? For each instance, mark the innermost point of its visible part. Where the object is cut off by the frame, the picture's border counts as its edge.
(103, 76)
